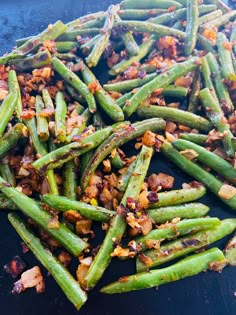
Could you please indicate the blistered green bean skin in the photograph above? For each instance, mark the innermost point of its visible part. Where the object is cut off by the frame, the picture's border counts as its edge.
(192, 26)
(230, 251)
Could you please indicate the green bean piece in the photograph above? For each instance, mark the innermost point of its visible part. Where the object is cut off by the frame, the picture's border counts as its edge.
(83, 19)
(64, 279)
(47, 99)
(63, 47)
(183, 211)
(23, 40)
(194, 96)
(116, 161)
(38, 60)
(31, 208)
(225, 18)
(11, 138)
(99, 47)
(187, 244)
(118, 225)
(149, 4)
(88, 211)
(7, 172)
(194, 137)
(7, 204)
(13, 85)
(220, 4)
(89, 45)
(148, 27)
(71, 35)
(128, 85)
(60, 117)
(42, 123)
(230, 251)
(175, 91)
(70, 180)
(6, 110)
(233, 38)
(207, 78)
(178, 25)
(128, 40)
(205, 44)
(217, 78)
(68, 152)
(161, 81)
(173, 230)
(209, 180)
(139, 14)
(177, 115)
(72, 79)
(209, 158)
(218, 119)
(98, 121)
(179, 196)
(209, 17)
(191, 27)
(225, 57)
(125, 177)
(118, 138)
(103, 98)
(86, 115)
(144, 49)
(186, 267)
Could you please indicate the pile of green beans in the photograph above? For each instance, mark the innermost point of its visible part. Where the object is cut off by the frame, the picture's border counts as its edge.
(63, 132)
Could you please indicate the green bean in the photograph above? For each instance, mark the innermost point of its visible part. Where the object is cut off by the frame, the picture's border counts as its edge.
(179, 196)
(128, 40)
(194, 137)
(178, 25)
(38, 60)
(6, 110)
(71, 35)
(14, 87)
(88, 211)
(173, 230)
(175, 91)
(161, 81)
(136, 14)
(177, 115)
(89, 45)
(230, 251)
(11, 138)
(225, 57)
(72, 79)
(125, 177)
(220, 4)
(218, 119)
(103, 98)
(210, 181)
(148, 27)
(83, 19)
(209, 17)
(225, 18)
(70, 181)
(7, 173)
(208, 158)
(217, 78)
(118, 138)
(207, 78)
(205, 44)
(99, 47)
(7, 204)
(66, 153)
(78, 130)
(116, 161)
(149, 4)
(187, 244)
(194, 96)
(233, 38)
(98, 121)
(144, 49)
(183, 211)
(118, 225)
(47, 99)
(184, 268)
(192, 26)
(31, 208)
(42, 123)
(64, 279)
(63, 47)
(60, 117)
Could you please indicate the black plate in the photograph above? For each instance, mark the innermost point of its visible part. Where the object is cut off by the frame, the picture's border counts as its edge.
(209, 293)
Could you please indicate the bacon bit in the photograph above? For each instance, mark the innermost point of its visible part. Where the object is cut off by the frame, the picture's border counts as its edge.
(122, 211)
(228, 45)
(149, 138)
(170, 127)
(143, 201)
(145, 223)
(72, 216)
(183, 81)
(81, 273)
(169, 137)
(145, 259)
(120, 252)
(15, 267)
(65, 258)
(184, 128)
(54, 223)
(123, 279)
(153, 244)
(50, 45)
(173, 105)
(218, 265)
(95, 180)
(83, 226)
(163, 180)
(189, 154)
(114, 59)
(27, 114)
(132, 221)
(32, 278)
(171, 8)
(107, 166)
(157, 92)
(46, 112)
(106, 197)
(227, 192)
(210, 34)
(131, 73)
(94, 87)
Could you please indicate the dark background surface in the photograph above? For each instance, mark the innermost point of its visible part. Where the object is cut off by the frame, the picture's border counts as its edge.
(209, 293)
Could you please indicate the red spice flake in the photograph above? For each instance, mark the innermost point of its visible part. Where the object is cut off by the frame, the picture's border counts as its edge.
(15, 267)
